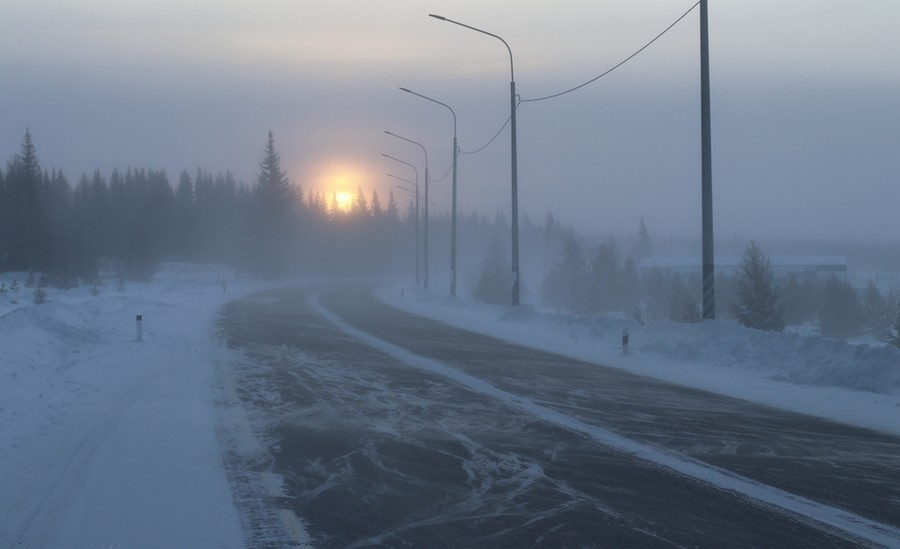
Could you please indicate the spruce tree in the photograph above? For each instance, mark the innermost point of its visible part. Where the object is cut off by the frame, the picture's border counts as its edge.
(359, 208)
(758, 304)
(840, 312)
(566, 284)
(273, 212)
(494, 280)
(392, 212)
(185, 218)
(645, 249)
(629, 287)
(273, 193)
(604, 287)
(24, 182)
(876, 310)
(39, 297)
(377, 209)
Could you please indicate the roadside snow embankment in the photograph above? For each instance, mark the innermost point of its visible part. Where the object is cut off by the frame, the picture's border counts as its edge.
(107, 441)
(781, 356)
(39, 343)
(857, 384)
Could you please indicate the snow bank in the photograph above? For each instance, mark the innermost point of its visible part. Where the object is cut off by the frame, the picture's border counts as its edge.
(104, 438)
(803, 360)
(106, 441)
(858, 384)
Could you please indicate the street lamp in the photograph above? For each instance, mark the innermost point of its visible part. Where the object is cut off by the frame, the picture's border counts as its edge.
(453, 213)
(709, 270)
(512, 127)
(425, 151)
(416, 171)
(416, 186)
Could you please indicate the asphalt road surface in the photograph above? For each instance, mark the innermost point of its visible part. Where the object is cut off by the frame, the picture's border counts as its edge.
(379, 446)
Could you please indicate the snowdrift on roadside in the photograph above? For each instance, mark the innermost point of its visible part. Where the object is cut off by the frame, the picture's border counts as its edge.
(858, 384)
(803, 360)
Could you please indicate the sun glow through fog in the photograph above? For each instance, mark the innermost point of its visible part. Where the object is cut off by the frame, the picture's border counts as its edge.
(343, 201)
(339, 182)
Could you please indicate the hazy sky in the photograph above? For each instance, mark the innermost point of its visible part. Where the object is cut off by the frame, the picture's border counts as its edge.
(805, 102)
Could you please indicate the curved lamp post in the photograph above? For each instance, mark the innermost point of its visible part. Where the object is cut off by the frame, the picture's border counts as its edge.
(453, 211)
(416, 192)
(512, 127)
(709, 270)
(421, 146)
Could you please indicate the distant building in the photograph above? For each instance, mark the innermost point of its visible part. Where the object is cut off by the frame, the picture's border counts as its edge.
(809, 267)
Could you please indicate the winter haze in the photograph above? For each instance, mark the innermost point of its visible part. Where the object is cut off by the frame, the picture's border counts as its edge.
(224, 321)
(805, 109)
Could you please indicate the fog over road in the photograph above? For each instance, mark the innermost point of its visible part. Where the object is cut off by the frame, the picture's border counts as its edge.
(378, 448)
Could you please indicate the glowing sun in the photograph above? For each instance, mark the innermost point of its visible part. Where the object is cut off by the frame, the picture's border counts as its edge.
(338, 180)
(343, 201)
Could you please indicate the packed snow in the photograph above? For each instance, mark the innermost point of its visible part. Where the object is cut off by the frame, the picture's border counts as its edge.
(108, 441)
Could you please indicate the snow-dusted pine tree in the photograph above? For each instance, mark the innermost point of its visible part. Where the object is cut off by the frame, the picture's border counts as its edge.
(493, 282)
(877, 311)
(758, 304)
(565, 286)
(39, 297)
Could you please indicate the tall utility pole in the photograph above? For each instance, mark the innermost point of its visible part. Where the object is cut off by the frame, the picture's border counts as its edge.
(516, 289)
(513, 158)
(416, 187)
(709, 270)
(425, 151)
(453, 214)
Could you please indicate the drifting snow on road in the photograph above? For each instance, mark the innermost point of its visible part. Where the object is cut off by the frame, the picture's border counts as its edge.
(311, 433)
(444, 438)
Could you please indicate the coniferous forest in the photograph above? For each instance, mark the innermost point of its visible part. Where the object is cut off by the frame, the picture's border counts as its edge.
(121, 225)
(126, 222)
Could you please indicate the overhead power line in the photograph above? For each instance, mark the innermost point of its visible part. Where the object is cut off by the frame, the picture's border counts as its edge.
(443, 177)
(578, 87)
(496, 135)
(617, 65)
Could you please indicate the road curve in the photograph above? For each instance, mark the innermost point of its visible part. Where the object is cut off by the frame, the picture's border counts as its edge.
(376, 451)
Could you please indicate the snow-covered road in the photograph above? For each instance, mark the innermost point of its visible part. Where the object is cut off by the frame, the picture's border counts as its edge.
(356, 400)
(110, 442)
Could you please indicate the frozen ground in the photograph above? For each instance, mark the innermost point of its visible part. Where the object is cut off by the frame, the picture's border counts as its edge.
(106, 441)
(110, 442)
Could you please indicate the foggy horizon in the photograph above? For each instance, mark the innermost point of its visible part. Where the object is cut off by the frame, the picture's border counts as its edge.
(195, 354)
(804, 105)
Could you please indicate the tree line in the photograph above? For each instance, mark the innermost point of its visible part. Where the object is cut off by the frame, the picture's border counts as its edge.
(605, 282)
(124, 224)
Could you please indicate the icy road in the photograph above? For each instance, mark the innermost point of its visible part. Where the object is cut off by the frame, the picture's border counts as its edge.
(374, 427)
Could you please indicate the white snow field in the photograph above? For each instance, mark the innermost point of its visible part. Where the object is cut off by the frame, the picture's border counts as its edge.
(107, 441)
